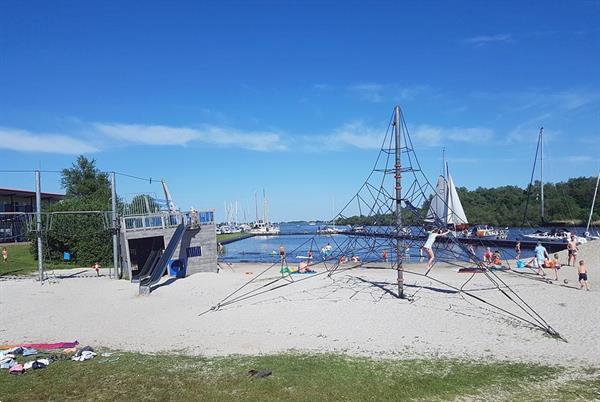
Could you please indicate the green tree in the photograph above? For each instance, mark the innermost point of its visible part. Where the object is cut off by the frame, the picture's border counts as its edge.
(83, 179)
(85, 235)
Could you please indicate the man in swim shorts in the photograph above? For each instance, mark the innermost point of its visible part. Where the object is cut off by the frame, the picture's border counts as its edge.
(572, 249)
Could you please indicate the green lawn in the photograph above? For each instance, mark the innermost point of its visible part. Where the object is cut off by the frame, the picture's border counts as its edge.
(129, 376)
(21, 261)
(231, 236)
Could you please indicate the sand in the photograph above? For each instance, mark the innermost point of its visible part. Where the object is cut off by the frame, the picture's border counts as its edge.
(352, 313)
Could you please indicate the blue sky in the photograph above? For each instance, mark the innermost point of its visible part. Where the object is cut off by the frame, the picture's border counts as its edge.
(223, 99)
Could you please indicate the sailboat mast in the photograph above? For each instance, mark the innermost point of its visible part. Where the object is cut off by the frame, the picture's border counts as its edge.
(264, 207)
(587, 228)
(542, 172)
(444, 164)
(333, 209)
(398, 187)
(447, 200)
(256, 205)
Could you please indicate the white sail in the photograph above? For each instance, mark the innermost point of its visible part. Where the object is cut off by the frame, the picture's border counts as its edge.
(456, 213)
(438, 207)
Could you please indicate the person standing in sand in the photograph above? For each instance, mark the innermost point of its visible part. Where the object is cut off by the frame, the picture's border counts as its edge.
(518, 250)
(282, 253)
(540, 255)
(4, 254)
(428, 246)
(583, 278)
(572, 250)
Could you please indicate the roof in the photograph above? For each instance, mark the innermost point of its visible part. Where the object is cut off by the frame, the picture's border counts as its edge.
(26, 193)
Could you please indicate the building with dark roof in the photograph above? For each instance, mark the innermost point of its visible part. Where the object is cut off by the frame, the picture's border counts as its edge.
(16, 207)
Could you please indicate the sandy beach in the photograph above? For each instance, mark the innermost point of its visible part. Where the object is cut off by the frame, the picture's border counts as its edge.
(352, 312)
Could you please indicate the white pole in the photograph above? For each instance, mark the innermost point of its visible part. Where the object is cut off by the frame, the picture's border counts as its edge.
(38, 225)
(256, 205)
(542, 171)
(587, 228)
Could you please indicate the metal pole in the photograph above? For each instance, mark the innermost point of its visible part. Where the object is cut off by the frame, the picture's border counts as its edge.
(115, 225)
(398, 177)
(542, 171)
(587, 228)
(38, 225)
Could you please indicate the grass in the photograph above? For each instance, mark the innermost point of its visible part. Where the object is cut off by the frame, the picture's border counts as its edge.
(21, 261)
(296, 377)
(229, 237)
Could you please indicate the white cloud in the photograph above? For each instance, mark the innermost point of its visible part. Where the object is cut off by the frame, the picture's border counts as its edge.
(26, 141)
(575, 158)
(483, 40)
(369, 92)
(377, 93)
(351, 135)
(357, 135)
(435, 135)
(528, 131)
(208, 134)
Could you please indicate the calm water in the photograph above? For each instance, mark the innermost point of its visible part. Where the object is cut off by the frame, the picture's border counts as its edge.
(265, 248)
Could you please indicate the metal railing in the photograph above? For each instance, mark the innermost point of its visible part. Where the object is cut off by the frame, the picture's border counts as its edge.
(165, 220)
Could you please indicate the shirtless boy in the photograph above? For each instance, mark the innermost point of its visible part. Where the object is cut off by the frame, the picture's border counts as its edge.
(572, 250)
(583, 279)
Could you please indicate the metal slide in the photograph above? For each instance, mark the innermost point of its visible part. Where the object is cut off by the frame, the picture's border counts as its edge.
(148, 265)
(159, 268)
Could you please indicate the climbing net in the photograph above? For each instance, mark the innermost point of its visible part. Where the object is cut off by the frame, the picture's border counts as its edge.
(394, 242)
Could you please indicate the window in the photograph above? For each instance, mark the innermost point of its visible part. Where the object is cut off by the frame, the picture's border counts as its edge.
(195, 251)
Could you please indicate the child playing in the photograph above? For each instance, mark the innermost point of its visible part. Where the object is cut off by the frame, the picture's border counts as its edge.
(4, 254)
(551, 263)
(97, 267)
(582, 275)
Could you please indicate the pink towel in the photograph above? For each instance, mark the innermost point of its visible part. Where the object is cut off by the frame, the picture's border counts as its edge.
(47, 346)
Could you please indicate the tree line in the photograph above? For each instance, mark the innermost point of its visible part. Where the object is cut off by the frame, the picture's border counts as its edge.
(565, 203)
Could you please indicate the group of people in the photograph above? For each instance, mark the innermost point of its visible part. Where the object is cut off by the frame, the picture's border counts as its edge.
(343, 259)
(543, 260)
(540, 261)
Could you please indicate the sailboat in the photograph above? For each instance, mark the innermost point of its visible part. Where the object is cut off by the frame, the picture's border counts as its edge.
(588, 235)
(445, 207)
(263, 226)
(447, 210)
(330, 229)
(560, 235)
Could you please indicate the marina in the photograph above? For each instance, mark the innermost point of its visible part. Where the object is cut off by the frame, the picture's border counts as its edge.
(303, 201)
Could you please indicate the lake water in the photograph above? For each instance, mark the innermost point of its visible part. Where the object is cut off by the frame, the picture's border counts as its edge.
(265, 248)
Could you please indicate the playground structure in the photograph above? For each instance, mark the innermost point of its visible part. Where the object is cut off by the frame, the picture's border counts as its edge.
(147, 242)
(183, 243)
(397, 187)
